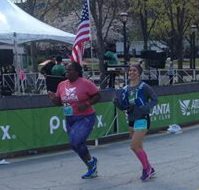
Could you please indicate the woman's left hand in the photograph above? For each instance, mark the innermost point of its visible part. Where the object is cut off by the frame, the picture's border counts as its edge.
(83, 106)
(145, 109)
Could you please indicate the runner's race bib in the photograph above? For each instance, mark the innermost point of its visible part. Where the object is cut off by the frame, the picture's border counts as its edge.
(140, 124)
(68, 110)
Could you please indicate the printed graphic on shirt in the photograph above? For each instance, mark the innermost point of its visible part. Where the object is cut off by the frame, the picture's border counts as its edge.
(71, 94)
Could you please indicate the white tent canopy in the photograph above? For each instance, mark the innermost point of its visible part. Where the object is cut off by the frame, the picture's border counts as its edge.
(17, 26)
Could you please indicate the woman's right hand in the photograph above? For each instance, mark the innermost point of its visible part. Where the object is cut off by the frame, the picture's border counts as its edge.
(51, 95)
(56, 100)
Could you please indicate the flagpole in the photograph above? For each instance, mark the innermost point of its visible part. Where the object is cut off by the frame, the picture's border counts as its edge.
(91, 40)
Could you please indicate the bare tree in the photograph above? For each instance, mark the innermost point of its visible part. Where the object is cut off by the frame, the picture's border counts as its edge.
(174, 24)
(146, 14)
(104, 13)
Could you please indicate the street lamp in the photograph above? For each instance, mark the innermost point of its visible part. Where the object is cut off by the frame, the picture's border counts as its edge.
(124, 18)
(193, 50)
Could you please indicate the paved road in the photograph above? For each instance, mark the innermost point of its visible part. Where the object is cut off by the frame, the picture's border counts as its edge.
(175, 158)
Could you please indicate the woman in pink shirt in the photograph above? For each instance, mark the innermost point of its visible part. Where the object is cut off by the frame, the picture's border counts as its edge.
(77, 95)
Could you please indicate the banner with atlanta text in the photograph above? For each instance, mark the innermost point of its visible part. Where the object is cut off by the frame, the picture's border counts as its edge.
(26, 129)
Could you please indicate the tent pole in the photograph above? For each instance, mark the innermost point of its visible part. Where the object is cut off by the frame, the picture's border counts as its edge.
(16, 64)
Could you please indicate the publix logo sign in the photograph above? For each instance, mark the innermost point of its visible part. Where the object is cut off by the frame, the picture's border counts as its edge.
(189, 107)
(161, 112)
(5, 133)
(55, 123)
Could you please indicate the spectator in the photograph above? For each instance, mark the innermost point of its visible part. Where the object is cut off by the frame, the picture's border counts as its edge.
(57, 74)
(58, 69)
(111, 60)
(46, 69)
(110, 55)
(170, 70)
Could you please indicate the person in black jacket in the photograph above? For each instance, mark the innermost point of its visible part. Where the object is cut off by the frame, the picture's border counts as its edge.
(46, 71)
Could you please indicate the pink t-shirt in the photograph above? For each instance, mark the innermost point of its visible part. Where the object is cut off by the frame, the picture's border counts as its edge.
(77, 92)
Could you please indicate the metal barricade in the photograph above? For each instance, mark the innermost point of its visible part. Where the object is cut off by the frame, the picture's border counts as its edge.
(35, 83)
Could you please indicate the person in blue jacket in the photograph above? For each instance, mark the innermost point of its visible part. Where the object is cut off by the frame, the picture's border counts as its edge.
(139, 98)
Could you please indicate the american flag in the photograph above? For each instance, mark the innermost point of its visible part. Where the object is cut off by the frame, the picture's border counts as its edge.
(83, 35)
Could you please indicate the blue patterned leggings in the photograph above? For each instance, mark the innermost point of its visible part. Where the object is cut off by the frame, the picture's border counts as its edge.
(78, 129)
